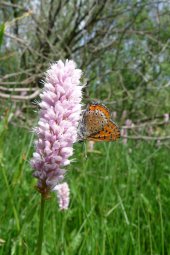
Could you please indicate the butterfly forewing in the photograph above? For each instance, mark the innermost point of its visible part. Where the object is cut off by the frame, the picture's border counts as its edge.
(99, 107)
(94, 120)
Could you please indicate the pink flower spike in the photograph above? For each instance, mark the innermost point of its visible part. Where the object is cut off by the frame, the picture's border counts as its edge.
(59, 115)
(63, 194)
(166, 117)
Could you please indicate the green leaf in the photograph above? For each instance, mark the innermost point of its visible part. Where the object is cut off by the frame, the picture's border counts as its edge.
(2, 29)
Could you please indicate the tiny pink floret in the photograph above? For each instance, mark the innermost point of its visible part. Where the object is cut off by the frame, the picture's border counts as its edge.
(63, 194)
(60, 109)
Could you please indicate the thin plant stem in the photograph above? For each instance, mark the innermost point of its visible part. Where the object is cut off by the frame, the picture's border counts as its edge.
(11, 198)
(41, 227)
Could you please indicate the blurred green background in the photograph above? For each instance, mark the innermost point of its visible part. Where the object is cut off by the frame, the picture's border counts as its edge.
(120, 193)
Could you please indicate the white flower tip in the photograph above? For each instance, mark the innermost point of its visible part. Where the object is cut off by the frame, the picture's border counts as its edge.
(63, 195)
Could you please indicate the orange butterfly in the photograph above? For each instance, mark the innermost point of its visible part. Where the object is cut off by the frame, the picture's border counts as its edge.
(96, 124)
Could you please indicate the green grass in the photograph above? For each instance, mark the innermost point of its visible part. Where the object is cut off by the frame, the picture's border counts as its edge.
(120, 200)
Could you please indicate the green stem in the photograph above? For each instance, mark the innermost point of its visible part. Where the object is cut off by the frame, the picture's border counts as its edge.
(41, 227)
(11, 198)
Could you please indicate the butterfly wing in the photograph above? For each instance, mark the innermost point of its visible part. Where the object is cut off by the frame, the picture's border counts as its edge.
(109, 133)
(94, 119)
(99, 107)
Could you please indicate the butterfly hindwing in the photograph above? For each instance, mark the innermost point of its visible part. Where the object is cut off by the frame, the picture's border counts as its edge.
(109, 133)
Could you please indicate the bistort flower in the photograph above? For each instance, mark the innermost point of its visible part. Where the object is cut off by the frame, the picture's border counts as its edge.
(60, 109)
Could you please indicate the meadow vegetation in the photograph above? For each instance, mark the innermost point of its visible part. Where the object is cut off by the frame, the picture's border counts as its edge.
(120, 200)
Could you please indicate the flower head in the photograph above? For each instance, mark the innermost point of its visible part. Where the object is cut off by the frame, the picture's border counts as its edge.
(63, 193)
(166, 117)
(56, 132)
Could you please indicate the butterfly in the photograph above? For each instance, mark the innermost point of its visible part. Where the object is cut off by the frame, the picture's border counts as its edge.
(96, 124)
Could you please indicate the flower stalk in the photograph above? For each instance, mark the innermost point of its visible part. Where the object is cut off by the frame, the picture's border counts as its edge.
(41, 226)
